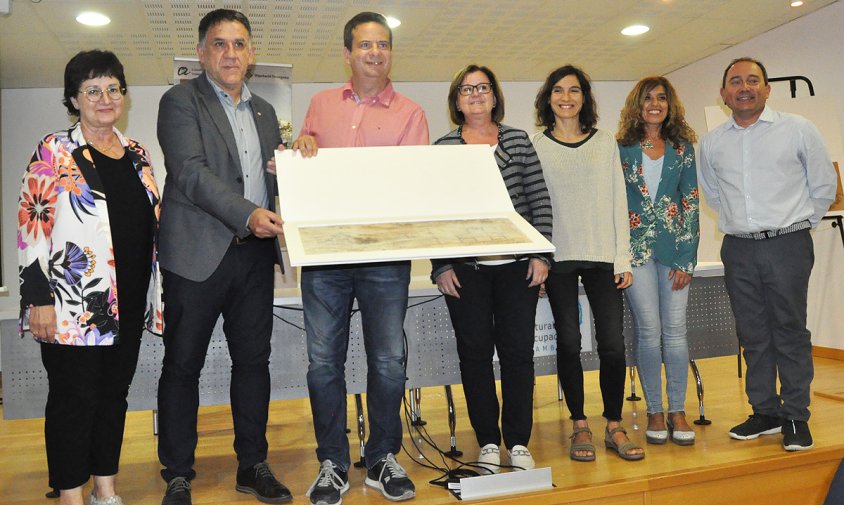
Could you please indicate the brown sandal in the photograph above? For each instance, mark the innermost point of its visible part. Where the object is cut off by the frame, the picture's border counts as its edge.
(581, 446)
(623, 449)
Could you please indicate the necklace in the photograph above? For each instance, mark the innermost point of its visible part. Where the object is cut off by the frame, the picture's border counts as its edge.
(647, 144)
(103, 149)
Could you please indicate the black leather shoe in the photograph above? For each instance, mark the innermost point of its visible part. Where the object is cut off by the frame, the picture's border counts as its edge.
(178, 492)
(260, 482)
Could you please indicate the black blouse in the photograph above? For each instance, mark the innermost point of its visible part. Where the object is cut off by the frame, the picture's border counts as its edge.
(131, 220)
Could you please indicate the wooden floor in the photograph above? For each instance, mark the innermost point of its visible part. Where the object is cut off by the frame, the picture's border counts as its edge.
(717, 470)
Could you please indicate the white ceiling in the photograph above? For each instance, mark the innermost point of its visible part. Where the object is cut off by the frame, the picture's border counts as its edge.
(520, 39)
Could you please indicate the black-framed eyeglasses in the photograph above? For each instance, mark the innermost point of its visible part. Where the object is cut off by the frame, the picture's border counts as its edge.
(467, 89)
(95, 94)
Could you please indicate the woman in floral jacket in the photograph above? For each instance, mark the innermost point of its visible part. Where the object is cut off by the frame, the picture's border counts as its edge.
(658, 162)
(88, 218)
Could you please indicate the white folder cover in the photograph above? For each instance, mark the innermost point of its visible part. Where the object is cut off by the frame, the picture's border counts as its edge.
(375, 204)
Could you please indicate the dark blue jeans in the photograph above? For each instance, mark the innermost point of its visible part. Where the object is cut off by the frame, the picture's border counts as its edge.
(328, 294)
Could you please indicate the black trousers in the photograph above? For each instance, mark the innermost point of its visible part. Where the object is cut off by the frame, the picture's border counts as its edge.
(608, 309)
(241, 290)
(86, 406)
(496, 310)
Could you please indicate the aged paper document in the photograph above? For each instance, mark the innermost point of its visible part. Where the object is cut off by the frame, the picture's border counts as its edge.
(409, 235)
(371, 204)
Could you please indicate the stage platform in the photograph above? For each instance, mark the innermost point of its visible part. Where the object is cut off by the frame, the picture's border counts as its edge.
(717, 470)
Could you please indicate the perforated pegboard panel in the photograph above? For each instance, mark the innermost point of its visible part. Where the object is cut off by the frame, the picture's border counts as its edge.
(432, 356)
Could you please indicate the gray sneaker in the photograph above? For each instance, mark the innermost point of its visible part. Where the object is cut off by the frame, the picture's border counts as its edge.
(389, 477)
(330, 485)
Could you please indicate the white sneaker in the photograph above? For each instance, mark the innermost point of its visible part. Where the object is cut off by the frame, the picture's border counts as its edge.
(489, 459)
(521, 459)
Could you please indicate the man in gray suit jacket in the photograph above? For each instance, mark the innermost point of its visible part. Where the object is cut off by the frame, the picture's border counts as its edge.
(218, 246)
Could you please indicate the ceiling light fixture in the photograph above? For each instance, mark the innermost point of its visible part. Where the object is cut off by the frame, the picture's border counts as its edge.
(93, 19)
(634, 30)
(392, 22)
(796, 3)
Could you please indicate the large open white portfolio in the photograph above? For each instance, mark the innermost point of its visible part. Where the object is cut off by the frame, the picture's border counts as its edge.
(374, 204)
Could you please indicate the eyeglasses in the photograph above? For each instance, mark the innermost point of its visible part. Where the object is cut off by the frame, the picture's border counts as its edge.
(95, 94)
(467, 89)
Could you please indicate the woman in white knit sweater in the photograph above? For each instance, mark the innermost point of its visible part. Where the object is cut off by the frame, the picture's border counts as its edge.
(592, 236)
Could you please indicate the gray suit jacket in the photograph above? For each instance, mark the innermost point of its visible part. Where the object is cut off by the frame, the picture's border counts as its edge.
(203, 207)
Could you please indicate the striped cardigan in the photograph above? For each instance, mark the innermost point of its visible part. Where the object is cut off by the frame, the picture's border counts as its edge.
(522, 174)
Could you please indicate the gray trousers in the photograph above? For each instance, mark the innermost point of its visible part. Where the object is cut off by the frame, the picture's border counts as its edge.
(767, 282)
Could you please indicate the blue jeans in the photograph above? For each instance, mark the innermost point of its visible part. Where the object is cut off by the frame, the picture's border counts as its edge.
(659, 320)
(328, 294)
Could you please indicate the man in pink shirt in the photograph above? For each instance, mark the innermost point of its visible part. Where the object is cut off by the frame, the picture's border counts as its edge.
(366, 111)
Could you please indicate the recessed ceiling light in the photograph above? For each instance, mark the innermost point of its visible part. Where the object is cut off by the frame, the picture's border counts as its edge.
(392, 22)
(93, 19)
(796, 3)
(634, 30)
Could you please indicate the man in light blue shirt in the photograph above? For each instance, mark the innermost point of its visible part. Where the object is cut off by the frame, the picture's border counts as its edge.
(770, 178)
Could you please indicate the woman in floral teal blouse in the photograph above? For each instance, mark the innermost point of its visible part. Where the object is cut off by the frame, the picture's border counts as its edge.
(658, 162)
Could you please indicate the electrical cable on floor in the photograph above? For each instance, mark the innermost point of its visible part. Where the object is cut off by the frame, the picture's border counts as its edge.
(448, 473)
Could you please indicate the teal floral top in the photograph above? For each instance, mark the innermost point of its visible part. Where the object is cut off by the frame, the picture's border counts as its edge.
(667, 228)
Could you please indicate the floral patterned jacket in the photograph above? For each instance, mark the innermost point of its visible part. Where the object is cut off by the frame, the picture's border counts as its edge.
(65, 254)
(666, 229)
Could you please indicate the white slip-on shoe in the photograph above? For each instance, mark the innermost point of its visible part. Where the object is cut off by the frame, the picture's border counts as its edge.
(520, 458)
(489, 459)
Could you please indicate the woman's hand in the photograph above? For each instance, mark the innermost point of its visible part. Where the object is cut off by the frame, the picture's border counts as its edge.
(624, 280)
(42, 323)
(681, 279)
(537, 272)
(448, 284)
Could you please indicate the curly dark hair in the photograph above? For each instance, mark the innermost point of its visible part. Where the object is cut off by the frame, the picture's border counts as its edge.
(89, 65)
(457, 116)
(588, 116)
(631, 127)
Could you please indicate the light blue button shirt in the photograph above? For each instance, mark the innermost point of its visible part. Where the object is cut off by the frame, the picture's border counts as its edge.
(768, 176)
(248, 144)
